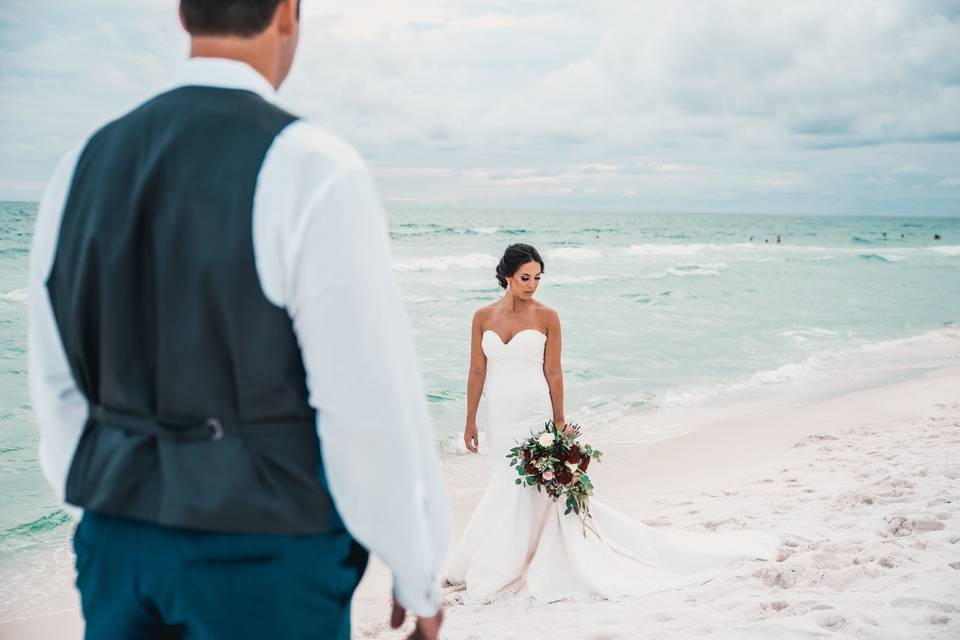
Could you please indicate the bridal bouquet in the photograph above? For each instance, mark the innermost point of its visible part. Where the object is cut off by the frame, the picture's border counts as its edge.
(553, 461)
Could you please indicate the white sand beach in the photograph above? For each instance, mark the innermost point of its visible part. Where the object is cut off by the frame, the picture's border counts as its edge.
(863, 489)
(734, 225)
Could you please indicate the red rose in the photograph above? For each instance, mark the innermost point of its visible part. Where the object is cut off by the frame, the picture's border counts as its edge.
(573, 456)
(584, 463)
(526, 455)
(564, 475)
(530, 469)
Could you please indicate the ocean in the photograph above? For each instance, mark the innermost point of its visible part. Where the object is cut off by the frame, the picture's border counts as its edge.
(660, 313)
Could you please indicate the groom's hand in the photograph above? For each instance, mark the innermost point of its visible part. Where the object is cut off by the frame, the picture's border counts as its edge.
(427, 628)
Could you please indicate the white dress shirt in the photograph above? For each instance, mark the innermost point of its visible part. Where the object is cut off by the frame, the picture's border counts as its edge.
(322, 253)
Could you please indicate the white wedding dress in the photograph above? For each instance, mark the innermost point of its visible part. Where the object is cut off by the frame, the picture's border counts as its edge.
(519, 542)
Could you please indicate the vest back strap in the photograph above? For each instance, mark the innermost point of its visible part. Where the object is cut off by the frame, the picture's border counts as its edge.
(186, 429)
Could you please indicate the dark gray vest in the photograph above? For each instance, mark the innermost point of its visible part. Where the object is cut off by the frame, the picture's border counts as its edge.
(198, 399)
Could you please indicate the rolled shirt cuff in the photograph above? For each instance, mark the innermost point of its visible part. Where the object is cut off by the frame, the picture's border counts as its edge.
(422, 599)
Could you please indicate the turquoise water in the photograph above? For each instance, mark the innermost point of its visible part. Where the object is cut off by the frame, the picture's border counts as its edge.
(657, 311)
(662, 310)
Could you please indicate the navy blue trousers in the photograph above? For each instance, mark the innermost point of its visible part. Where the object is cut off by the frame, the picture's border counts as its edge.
(140, 580)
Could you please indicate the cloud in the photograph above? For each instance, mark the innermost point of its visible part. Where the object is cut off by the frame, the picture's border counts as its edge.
(757, 74)
(687, 105)
(66, 68)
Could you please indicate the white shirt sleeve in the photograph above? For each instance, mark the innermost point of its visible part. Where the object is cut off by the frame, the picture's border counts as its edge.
(59, 407)
(322, 252)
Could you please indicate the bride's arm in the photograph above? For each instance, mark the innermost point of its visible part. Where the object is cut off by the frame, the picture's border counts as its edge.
(475, 379)
(552, 370)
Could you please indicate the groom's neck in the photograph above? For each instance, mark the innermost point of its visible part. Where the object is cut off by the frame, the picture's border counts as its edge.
(259, 52)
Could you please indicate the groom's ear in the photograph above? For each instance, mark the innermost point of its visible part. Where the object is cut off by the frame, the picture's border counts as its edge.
(288, 17)
(183, 20)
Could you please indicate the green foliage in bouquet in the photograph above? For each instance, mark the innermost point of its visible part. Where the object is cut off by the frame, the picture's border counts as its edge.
(553, 461)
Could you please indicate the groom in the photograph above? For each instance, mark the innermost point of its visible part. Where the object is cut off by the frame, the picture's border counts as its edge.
(220, 365)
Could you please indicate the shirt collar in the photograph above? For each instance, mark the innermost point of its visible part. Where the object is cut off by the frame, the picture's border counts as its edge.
(223, 73)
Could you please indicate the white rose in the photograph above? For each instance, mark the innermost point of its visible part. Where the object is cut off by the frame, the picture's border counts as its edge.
(572, 466)
(546, 439)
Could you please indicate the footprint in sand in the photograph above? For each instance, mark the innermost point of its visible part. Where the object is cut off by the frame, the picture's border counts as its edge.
(927, 524)
(920, 603)
(659, 522)
(767, 609)
(833, 622)
(899, 526)
(712, 525)
(782, 577)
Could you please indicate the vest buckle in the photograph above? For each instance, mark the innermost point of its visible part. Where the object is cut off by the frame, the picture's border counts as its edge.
(215, 429)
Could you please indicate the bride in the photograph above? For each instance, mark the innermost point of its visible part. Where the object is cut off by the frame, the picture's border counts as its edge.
(518, 541)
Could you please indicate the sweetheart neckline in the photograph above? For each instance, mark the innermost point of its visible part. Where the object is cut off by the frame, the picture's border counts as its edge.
(510, 341)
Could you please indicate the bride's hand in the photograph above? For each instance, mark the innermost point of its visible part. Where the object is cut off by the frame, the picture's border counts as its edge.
(471, 437)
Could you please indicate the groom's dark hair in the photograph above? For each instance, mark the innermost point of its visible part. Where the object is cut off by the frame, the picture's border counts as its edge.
(242, 18)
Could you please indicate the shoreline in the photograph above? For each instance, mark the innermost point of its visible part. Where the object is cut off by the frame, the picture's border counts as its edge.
(819, 377)
(755, 466)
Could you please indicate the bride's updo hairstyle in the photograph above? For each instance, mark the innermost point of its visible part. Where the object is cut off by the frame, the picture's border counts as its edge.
(515, 257)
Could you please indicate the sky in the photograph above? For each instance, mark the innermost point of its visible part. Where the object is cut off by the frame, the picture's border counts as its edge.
(806, 106)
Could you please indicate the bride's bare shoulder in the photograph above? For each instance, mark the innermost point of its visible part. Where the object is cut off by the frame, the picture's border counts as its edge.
(481, 315)
(547, 314)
